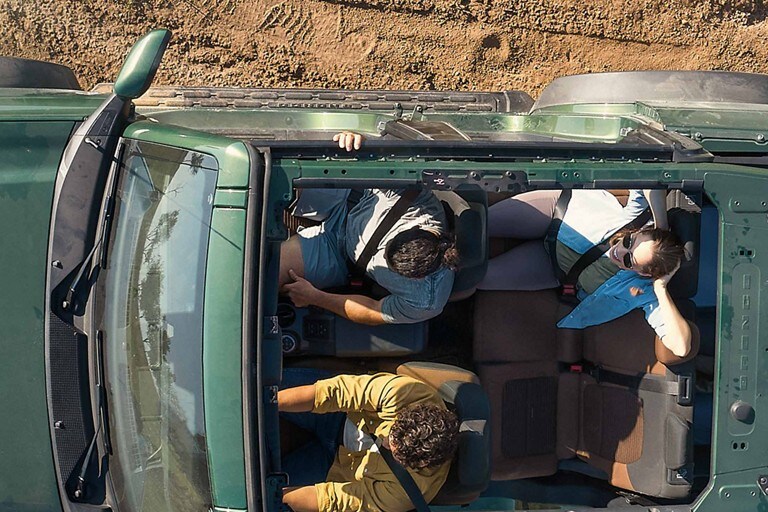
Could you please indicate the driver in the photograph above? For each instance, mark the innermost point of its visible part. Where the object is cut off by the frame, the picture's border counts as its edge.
(415, 260)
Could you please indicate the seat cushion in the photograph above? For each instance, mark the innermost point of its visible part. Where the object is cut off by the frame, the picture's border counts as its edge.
(612, 426)
(523, 418)
(515, 326)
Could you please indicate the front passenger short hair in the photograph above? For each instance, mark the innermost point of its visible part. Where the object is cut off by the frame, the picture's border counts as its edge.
(424, 435)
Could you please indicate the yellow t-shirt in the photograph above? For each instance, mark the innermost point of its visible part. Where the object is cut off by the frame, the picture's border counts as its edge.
(362, 480)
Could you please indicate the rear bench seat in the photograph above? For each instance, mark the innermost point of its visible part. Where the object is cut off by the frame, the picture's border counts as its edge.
(597, 400)
(603, 401)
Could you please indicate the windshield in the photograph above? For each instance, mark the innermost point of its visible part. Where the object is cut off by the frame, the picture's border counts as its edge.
(153, 328)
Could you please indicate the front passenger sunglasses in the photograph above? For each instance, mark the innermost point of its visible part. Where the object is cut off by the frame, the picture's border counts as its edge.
(627, 242)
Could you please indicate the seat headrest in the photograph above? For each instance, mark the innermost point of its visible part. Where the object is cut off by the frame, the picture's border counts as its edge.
(469, 225)
(686, 225)
(471, 469)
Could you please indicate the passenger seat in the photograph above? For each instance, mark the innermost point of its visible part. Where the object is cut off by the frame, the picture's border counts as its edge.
(608, 401)
(460, 389)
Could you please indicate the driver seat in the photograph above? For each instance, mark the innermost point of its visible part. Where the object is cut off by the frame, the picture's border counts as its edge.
(467, 215)
(470, 470)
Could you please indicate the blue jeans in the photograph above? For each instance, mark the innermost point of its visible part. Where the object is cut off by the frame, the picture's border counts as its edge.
(309, 464)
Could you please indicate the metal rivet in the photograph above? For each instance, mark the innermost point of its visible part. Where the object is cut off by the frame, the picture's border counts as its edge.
(59, 425)
(760, 137)
(727, 495)
(57, 264)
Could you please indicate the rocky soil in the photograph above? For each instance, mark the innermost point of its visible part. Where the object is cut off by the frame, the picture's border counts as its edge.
(390, 44)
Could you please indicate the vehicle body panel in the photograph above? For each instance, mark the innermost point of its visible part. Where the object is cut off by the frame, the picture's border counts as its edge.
(30, 157)
(46, 105)
(222, 346)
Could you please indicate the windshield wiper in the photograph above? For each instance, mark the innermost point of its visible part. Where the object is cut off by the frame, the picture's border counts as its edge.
(72, 301)
(69, 301)
(102, 423)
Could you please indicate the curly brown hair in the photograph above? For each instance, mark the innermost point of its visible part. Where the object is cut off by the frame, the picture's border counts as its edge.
(424, 435)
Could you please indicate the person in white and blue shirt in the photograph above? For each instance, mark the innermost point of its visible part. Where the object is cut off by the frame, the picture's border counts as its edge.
(632, 273)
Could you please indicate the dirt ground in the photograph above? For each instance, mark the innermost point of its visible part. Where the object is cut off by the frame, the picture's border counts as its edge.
(390, 44)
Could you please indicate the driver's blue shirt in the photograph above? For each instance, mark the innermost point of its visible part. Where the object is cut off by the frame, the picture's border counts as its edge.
(343, 234)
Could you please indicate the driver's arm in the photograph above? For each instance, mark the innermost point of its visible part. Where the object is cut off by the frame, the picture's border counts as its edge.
(357, 308)
(297, 399)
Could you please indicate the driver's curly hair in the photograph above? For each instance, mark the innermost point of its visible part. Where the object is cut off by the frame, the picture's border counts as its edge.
(424, 435)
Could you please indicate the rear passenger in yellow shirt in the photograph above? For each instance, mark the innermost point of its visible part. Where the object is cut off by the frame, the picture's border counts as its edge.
(355, 418)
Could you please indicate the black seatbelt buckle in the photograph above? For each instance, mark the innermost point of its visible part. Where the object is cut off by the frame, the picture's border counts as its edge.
(569, 290)
(576, 368)
(356, 282)
(685, 389)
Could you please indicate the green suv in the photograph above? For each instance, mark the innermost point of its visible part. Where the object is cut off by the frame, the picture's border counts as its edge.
(144, 336)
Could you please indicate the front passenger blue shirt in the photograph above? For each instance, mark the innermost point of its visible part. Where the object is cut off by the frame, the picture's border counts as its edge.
(591, 217)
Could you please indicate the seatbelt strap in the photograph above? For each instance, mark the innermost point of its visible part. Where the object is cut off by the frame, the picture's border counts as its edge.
(406, 481)
(554, 228)
(389, 220)
(680, 388)
(585, 260)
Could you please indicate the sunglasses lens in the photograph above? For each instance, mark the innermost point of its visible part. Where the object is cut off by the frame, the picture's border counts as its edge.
(626, 241)
(627, 260)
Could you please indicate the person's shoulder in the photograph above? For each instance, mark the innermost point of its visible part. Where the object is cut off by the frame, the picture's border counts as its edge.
(442, 278)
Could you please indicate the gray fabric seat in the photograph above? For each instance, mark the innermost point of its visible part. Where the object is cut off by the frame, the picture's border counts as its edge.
(469, 225)
(470, 470)
(545, 406)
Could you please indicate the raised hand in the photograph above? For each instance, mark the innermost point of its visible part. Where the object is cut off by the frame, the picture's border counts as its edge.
(349, 140)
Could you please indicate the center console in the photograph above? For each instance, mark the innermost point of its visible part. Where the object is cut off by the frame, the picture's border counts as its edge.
(315, 331)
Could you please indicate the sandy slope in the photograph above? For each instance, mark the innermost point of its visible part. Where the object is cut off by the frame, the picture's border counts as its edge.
(423, 44)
